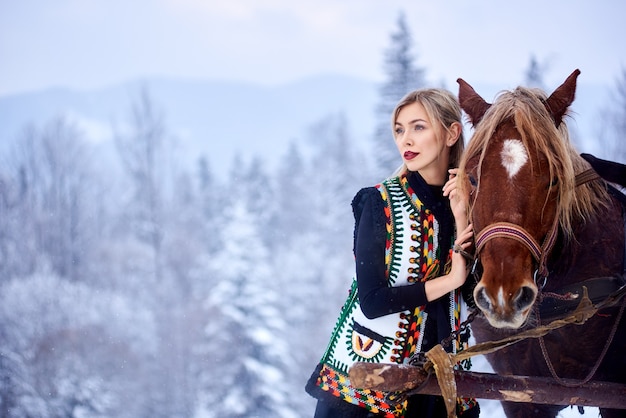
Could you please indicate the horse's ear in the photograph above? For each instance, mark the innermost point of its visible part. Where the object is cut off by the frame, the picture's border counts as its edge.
(559, 101)
(474, 105)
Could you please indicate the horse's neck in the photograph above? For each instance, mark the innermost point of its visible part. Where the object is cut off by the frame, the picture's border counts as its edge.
(597, 251)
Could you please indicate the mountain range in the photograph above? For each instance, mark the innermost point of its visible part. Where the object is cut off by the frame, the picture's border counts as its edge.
(221, 119)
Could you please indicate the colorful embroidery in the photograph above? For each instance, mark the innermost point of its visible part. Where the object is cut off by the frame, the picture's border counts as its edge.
(374, 401)
(410, 256)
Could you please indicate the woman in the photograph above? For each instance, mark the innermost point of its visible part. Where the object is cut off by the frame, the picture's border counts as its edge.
(409, 267)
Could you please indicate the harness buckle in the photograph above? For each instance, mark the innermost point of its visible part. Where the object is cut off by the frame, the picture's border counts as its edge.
(540, 277)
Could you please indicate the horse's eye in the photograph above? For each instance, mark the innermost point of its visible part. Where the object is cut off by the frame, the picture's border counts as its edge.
(554, 182)
(473, 181)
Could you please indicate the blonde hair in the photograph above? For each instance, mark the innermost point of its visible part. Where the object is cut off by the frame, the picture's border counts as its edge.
(443, 110)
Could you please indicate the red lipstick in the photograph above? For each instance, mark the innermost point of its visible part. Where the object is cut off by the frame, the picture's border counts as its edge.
(409, 155)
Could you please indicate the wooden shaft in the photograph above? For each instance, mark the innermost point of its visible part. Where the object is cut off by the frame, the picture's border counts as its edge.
(531, 389)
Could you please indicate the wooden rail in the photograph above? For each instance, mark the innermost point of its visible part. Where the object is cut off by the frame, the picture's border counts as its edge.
(540, 390)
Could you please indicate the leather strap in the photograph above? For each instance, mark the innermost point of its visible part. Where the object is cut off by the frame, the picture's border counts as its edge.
(565, 300)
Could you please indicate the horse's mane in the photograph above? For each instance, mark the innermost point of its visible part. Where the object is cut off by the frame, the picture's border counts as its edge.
(525, 108)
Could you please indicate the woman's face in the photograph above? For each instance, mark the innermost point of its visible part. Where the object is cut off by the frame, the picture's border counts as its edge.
(419, 145)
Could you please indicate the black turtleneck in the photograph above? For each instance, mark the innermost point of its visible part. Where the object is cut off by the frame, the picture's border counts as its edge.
(376, 297)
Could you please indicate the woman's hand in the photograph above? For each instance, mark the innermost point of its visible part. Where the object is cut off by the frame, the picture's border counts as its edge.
(459, 202)
(464, 241)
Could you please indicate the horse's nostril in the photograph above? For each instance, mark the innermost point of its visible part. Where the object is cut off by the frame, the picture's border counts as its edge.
(525, 297)
(481, 299)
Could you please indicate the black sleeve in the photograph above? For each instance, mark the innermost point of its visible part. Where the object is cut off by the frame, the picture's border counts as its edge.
(608, 170)
(377, 298)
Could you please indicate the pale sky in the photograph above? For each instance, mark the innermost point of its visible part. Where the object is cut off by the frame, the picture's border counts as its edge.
(86, 44)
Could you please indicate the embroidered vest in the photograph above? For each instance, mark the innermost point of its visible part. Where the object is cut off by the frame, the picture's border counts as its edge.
(410, 256)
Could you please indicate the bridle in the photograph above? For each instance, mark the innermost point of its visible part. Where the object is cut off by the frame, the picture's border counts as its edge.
(512, 231)
(519, 234)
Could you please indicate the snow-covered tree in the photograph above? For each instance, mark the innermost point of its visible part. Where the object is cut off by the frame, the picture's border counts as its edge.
(160, 231)
(248, 359)
(143, 150)
(534, 74)
(614, 130)
(210, 199)
(261, 198)
(48, 205)
(70, 351)
(292, 193)
(316, 261)
(402, 76)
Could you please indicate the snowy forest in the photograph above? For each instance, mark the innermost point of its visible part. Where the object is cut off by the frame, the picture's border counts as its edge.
(140, 286)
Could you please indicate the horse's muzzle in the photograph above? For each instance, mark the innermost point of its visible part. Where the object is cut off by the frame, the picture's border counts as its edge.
(505, 309)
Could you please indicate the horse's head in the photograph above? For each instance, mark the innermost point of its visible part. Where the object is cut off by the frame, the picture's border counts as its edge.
(518, 169)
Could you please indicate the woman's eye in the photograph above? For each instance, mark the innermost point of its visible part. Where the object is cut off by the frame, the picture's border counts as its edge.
(398, 131)
(419, 127)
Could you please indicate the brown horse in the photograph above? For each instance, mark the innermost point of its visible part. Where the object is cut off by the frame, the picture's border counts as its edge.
(543, 230)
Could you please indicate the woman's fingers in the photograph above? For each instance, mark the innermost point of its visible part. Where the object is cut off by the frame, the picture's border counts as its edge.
(465, 237)
(451, 183)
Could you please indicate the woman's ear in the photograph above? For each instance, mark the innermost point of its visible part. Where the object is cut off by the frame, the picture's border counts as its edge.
(453, 134)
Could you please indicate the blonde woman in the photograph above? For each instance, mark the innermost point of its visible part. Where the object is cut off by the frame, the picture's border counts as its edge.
(409, 231)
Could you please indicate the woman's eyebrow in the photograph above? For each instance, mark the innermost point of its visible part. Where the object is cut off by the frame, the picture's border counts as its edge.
(412, 121)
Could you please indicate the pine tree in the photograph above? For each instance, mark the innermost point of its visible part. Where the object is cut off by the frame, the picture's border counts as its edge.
(614, 133)
(261, 198)
(402, 77)
(533, 76)
(248, 361)
(321, 260)
(292, 199)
